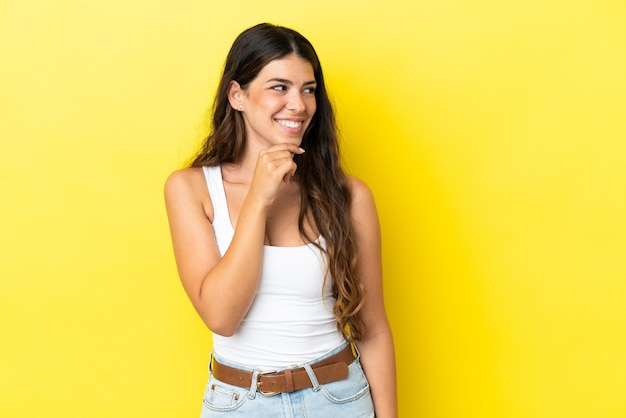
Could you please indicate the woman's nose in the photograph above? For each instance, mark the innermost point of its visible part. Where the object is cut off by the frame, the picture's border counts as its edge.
(295, 103)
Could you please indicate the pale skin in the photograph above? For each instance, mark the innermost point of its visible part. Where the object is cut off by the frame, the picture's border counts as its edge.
(264, 203)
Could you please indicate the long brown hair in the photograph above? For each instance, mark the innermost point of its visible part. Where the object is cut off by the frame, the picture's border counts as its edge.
(325, 195)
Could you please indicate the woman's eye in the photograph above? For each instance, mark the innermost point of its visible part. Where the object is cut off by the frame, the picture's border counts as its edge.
(279, 88)
(309, 90)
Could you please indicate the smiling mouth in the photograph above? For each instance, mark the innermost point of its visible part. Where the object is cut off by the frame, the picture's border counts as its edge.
(289, 123)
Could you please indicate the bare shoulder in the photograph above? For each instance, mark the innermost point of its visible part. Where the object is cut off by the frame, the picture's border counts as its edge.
(188, 187)
(183, 179)
(361, 193)
(186, 181)
(363, 207)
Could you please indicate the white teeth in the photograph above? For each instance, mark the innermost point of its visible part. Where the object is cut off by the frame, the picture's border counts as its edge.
(290, 124)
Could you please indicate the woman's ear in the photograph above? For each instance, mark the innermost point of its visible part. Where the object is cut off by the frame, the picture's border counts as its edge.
(235, 95)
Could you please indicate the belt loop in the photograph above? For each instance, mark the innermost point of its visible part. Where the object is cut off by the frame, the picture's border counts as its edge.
(289, 380)
(312, 377)
(253, 385)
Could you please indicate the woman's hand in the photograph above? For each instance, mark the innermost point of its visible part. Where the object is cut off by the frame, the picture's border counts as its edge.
(274, 166)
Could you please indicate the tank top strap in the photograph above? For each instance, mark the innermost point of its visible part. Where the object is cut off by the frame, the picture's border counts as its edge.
(221, 218)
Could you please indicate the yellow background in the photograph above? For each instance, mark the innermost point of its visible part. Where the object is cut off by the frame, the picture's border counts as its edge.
(491, 132)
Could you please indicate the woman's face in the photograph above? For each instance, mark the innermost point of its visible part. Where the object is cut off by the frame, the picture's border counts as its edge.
(279, 103)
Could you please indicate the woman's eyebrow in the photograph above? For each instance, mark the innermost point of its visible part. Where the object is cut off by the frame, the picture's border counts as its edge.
(289, 82)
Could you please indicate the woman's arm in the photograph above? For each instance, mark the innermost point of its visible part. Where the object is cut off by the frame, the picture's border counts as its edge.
(377, 352)
(222, 288)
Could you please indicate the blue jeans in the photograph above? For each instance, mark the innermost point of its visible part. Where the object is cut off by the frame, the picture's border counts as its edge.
(346, 398)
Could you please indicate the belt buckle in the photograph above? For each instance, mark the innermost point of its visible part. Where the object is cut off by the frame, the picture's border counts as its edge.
(258, 383)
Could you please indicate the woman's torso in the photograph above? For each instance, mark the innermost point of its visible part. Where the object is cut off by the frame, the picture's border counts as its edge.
(291, 319)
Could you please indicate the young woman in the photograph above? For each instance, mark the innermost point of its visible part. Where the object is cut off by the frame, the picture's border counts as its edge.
(278, 250)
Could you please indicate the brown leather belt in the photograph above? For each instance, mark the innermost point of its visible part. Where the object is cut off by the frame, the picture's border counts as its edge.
(270, 383)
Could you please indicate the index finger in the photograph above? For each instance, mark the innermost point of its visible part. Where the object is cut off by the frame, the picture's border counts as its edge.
(294, 149)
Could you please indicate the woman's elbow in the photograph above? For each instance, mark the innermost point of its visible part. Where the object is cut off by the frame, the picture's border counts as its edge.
(224, 326)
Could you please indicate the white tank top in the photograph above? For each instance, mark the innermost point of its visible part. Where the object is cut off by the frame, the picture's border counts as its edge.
(291, 320)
